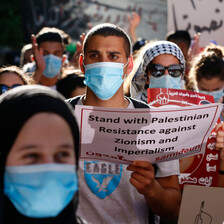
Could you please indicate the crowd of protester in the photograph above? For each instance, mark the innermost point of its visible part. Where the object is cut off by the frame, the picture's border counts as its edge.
(42, 178)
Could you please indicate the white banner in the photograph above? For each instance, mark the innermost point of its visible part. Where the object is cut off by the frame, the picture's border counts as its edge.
(74, 17)
(153, 14)
(154, 135)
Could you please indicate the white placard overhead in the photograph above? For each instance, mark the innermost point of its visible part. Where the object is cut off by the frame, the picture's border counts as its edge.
(74, 17)
(206, 17)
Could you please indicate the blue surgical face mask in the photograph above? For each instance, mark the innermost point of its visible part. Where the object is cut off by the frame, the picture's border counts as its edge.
(216, 94)
(104, 78)
(165, 81)
(53, 65)
(40, 191)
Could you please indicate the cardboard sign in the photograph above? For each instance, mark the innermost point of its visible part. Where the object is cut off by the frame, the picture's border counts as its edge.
(202, 205)
(205, 17)
(162, 97)
(203, 168)
(74, 17)
(154, 135)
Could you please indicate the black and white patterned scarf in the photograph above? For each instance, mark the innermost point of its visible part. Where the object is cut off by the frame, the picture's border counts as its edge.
(154, 49)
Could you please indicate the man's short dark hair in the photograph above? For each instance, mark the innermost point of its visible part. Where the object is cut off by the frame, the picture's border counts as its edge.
(106, 30)
(49, 34)
(179, 35)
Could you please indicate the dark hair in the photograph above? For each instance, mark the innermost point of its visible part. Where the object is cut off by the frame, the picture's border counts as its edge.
(49, 34)
(70, 80)
(179, 35)
(139, 43)
(208, 64)
(105, 30)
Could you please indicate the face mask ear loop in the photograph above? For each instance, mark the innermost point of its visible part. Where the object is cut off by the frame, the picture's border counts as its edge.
(126, 63)
(125, 66)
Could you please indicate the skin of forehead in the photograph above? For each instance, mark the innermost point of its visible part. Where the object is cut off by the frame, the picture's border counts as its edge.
(51, 47)
(36, 128)
(210, 84)
(10, 78)
(95, 38)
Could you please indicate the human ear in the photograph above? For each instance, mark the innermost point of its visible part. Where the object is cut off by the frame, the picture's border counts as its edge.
(81, 59)
(64, 58)
(32, 58)
(130, 65)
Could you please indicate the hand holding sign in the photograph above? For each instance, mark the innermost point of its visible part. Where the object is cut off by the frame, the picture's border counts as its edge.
(220, 139)
(142, 177)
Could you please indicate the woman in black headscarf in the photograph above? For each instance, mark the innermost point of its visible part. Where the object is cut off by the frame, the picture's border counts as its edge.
(38, 157)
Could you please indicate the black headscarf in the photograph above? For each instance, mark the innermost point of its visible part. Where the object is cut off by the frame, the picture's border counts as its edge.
(16, 107)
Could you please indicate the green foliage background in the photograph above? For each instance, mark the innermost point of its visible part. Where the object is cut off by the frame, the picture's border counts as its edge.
(11, 26)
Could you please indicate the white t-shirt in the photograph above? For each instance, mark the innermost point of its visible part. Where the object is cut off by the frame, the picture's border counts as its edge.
(106, 195)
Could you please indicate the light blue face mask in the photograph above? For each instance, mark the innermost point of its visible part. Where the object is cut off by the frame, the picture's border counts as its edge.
(104, 78)
(216, 94)
(42, 190)
(165, 81)
(53, 65)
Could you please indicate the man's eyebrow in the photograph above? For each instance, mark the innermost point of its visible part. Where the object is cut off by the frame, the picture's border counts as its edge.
(93, 51)
(58, 51)
(109, 52)
(114, 52)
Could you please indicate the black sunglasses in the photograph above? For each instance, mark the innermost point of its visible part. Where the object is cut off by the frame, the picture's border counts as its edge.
(158, 70)
(4, 88)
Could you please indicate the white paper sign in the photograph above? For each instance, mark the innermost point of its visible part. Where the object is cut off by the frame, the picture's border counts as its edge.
(205, 17)
(153, 14)
(154, 135)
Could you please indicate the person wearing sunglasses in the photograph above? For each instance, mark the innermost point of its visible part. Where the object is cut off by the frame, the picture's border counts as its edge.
(161, 65)
(12, 77)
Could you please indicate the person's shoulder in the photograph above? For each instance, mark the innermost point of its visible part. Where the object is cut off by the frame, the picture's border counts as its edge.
(138, 103)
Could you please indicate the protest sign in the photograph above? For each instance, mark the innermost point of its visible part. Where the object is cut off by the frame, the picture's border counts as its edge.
(205, 17)
(154, 135)
(160, 97)
(201, 205)
(75, 17)
(203, 168)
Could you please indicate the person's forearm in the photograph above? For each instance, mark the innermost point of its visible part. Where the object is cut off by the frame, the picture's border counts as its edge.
(164, 202)
(37, 76)
(133, 35)
(221, 173)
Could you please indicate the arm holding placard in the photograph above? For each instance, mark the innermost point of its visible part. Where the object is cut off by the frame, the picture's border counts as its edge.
(220, 147)
(162, 195)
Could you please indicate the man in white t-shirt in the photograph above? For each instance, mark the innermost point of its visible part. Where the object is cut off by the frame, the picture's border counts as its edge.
(115, 193)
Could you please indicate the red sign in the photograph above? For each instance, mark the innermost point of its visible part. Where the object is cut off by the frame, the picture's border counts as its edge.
(200, 169)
